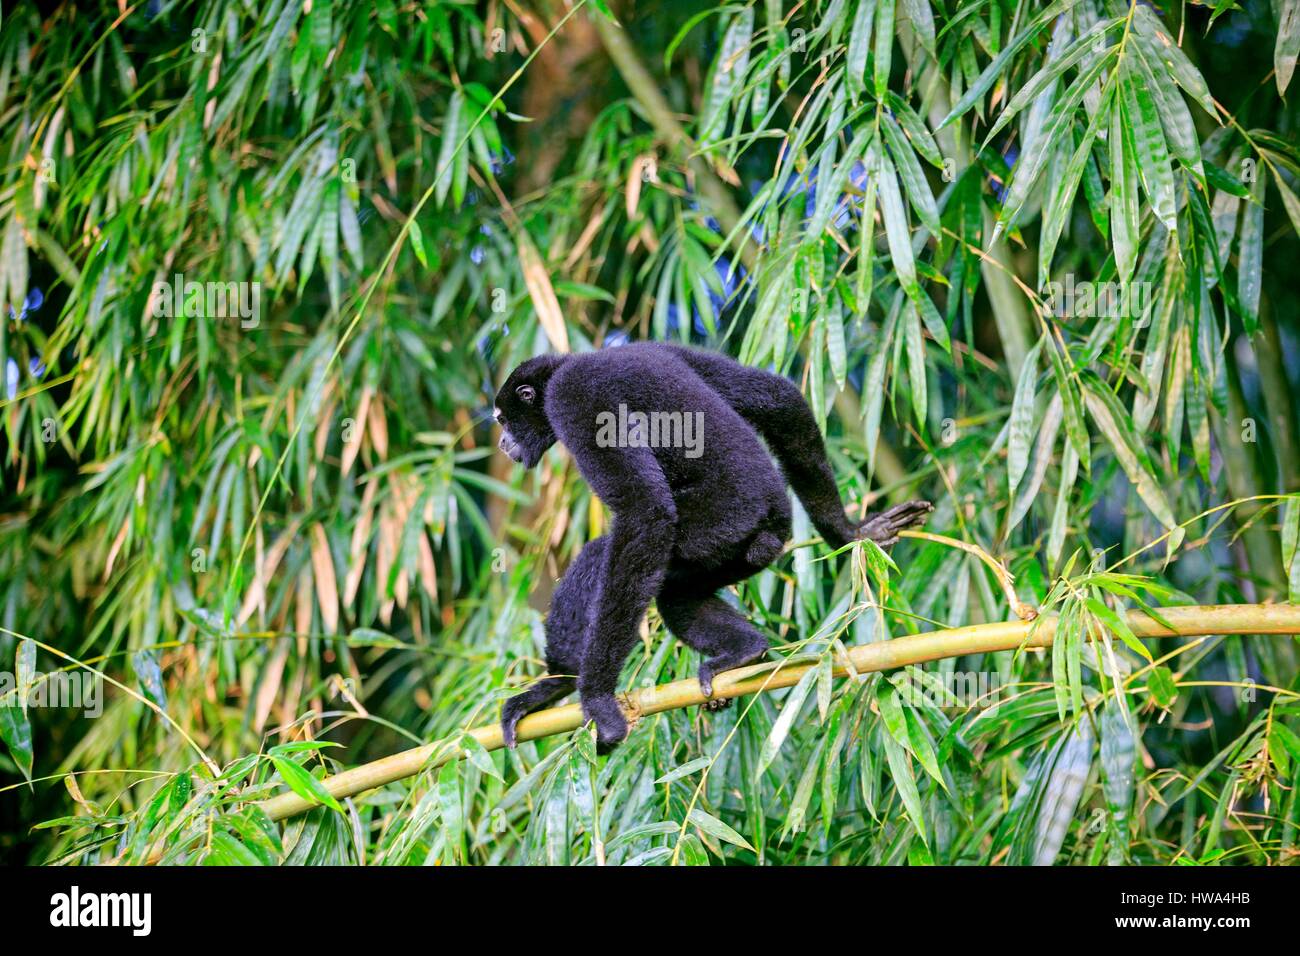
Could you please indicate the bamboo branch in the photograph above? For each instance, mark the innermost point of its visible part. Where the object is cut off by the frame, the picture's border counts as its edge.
(866, 658)
(1006, 580)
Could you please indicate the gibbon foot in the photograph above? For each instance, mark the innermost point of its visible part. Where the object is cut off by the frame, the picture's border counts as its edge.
(883, 528)
(611, 724)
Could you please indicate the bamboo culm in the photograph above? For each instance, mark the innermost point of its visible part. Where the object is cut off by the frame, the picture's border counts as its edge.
(862, 659)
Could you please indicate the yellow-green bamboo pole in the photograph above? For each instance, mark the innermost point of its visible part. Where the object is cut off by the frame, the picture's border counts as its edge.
(866, 658)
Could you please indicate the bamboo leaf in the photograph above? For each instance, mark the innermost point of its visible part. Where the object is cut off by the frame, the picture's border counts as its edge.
(417, 243)
(1287, 47)
(896, 229)
(1160, 47)
(1250, 262)
(914, 181)
(448, 153)
(1152, 155)
(855, 62)
(716, 828)
(1123, 194)
(1049, 74)
(304, 784)
(1063, 194)
(1021, 422)
(1117, 626)
(729, 68)
(1117, 430)
(884, 46)
(900, 768)
(781, 727)
(995, 69)
(916, 363)
(916, 131)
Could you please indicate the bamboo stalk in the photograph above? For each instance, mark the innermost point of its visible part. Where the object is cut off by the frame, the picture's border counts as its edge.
(866, 658)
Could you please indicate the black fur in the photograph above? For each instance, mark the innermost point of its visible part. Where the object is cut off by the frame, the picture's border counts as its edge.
(685, 526)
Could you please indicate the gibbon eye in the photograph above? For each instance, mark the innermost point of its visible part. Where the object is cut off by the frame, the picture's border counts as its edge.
(526, 394)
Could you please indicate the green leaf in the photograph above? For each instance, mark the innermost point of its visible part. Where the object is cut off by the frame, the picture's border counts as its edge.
(1161, 684)
(921, 18)
(873, 387)
(1065, 645)
(1118, 626)
(451, 813)
(1287, 47)
(803, 791)
(691, 23)
(1290, 202)
(685, 770)
(1034, 159)
(884, 46)
(1048, 75)
(304, 784)
(914, 181)
(929, 315)
(1118, 431)
(916, 131)
(16, 732)
(916, 375)
(1021, 423)
(1063, 194)
(729, 68)
(1250, 261)
(1123, 194)
(995, 69)
(605, 12)
(13, 266)
(830, 187)
(449, 147)
(918, 742)
(835, 345)
(1060, 513)
(1160, 47)
(1180, 131)
(855, 62)
(1286, 738)
(900, 769)
(478, 756)
(1075, 428)
(1152, 154)
(781, 727)
(895, 217)
(716, 828)
(588, 292)
(417, 243)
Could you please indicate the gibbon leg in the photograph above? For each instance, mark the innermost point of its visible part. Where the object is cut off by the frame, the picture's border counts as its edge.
(567, 628)
(716, 629)
(544, 692)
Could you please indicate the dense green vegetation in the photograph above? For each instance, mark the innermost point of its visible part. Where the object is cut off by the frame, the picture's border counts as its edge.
(1035, 262)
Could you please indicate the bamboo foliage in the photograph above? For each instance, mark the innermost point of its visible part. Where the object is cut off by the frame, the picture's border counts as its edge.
(263, 267)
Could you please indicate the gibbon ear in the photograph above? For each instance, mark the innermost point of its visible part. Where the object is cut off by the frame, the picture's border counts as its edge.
(527, 394)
